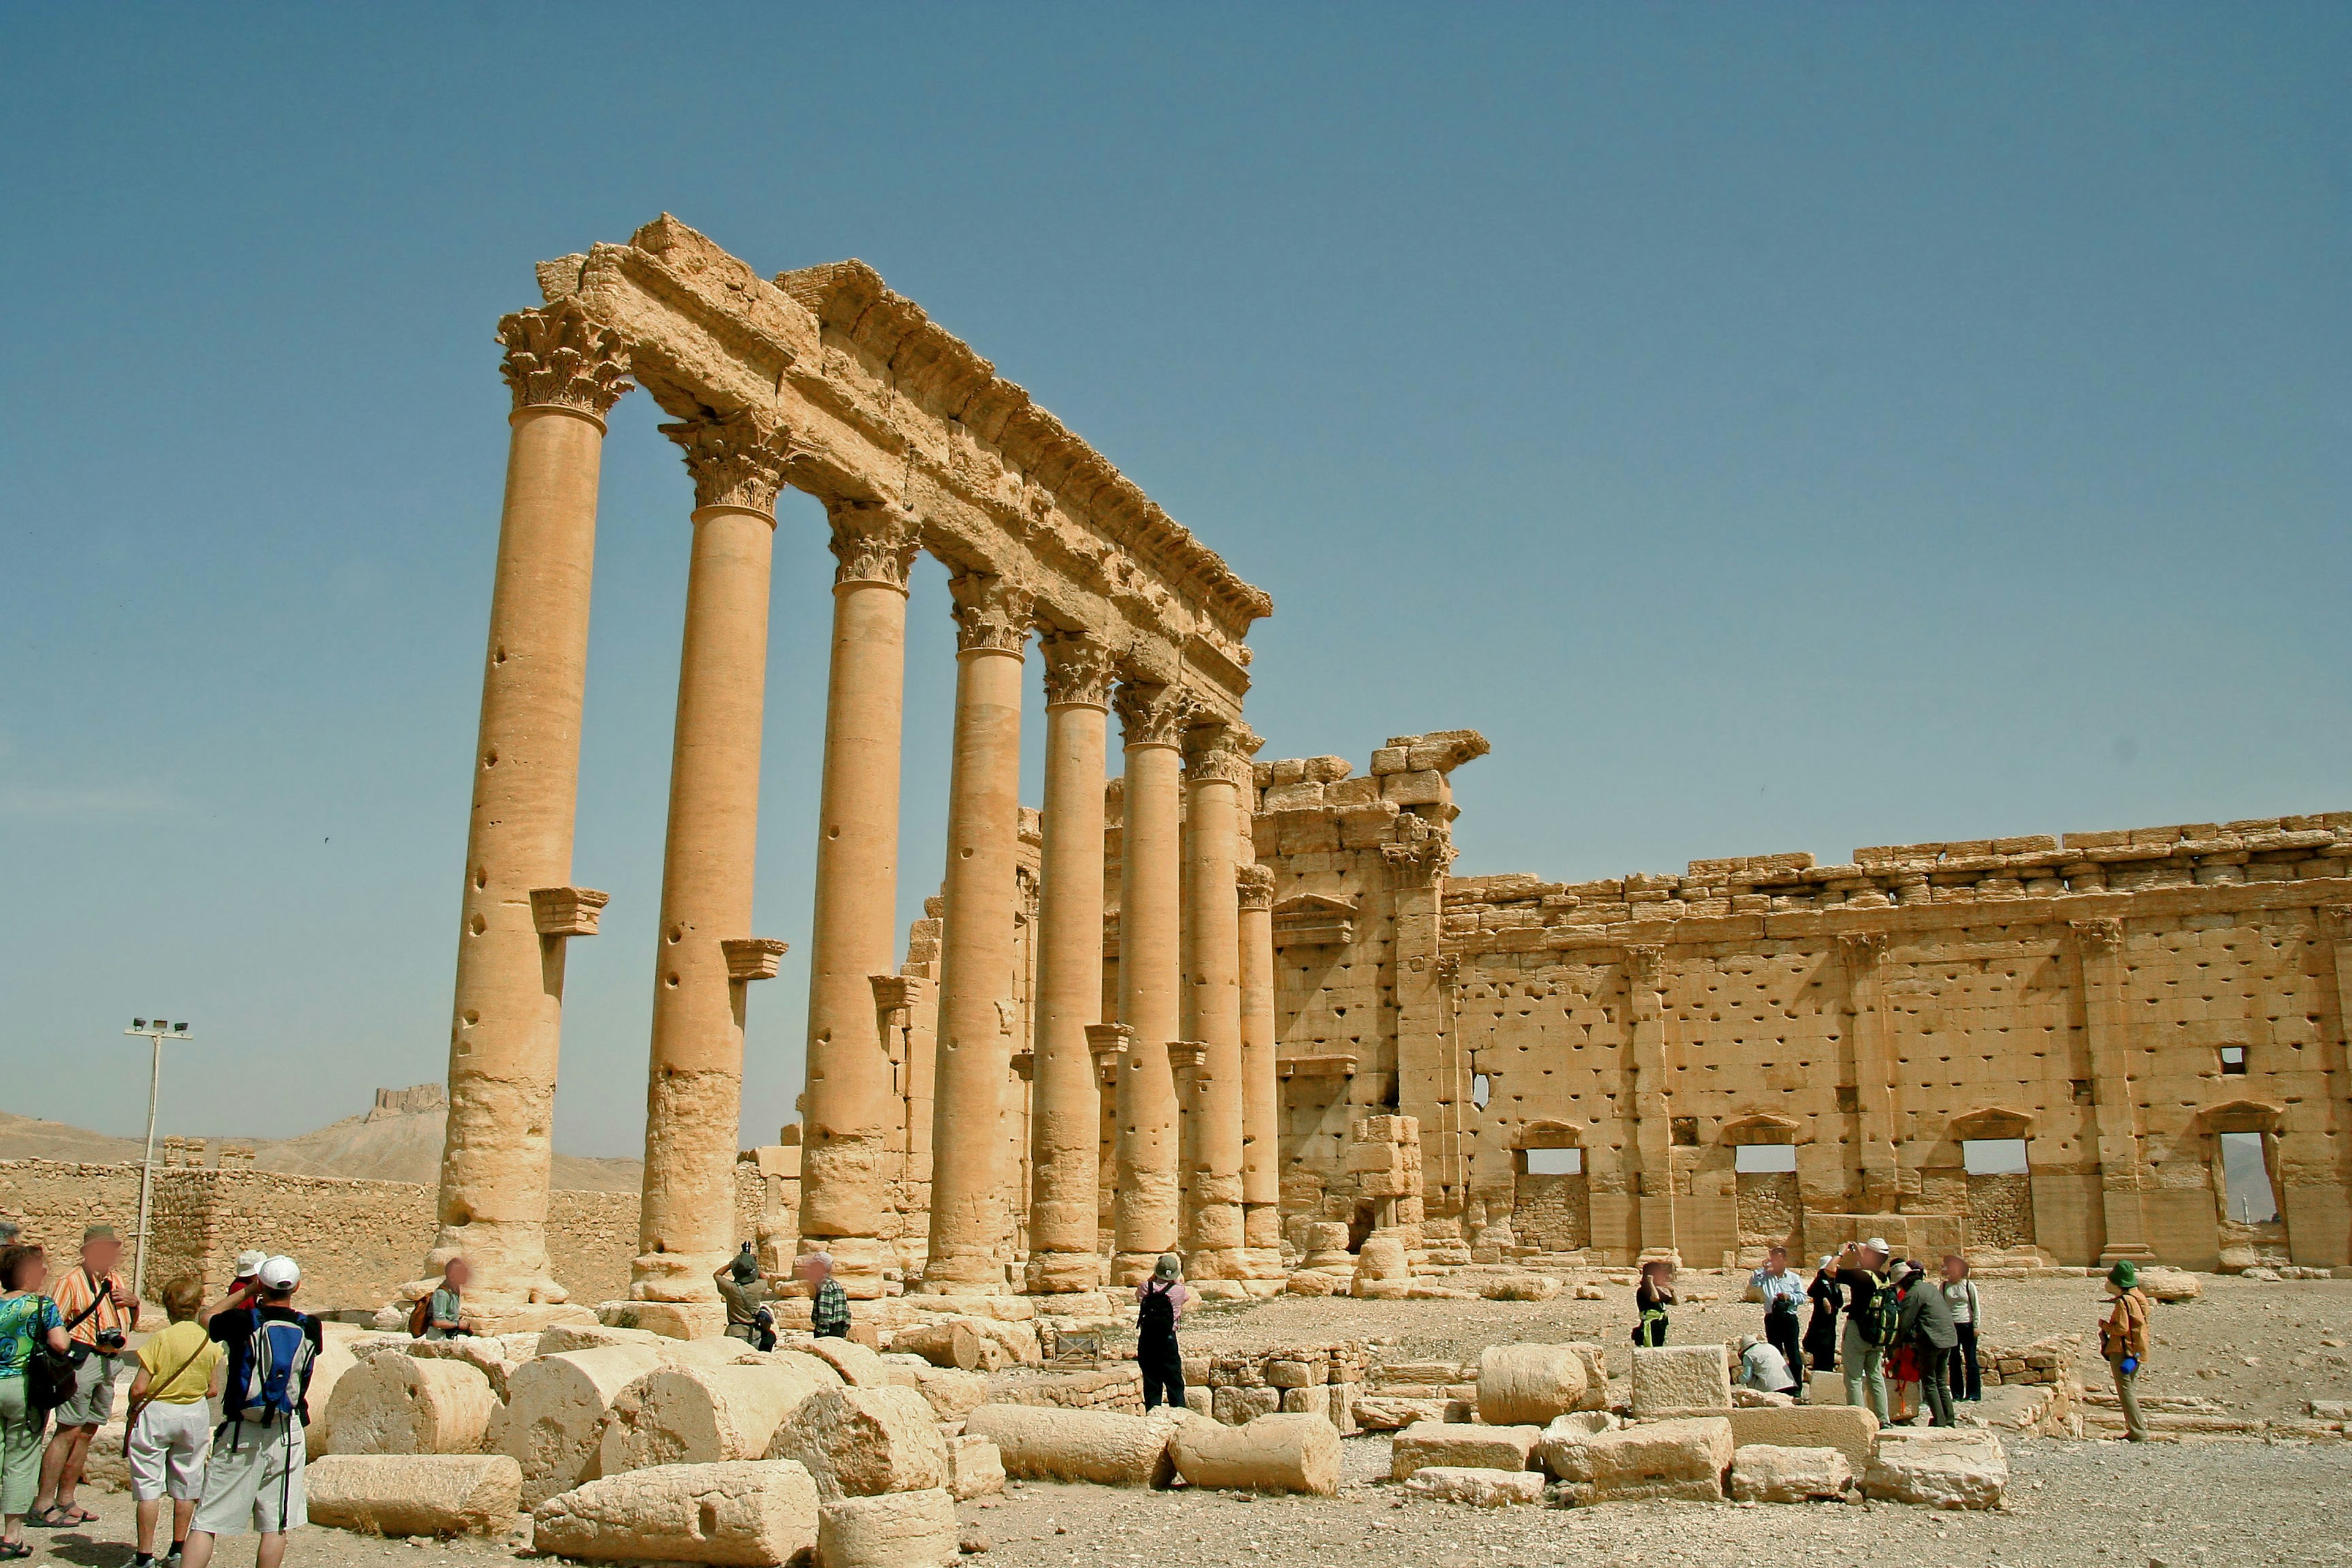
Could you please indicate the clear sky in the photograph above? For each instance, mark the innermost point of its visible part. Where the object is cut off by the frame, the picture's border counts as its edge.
(1777, 427)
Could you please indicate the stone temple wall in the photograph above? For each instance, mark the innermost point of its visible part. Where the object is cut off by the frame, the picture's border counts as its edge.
(2117, 1000)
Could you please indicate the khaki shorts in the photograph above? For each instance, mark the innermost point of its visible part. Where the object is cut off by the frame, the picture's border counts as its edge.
(167, 1451)
(92, 1401)
(253, 1483)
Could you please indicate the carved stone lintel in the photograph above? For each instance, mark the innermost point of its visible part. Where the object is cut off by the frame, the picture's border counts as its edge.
(1862, 948)
(567, 912)
(1188, 1058)
(1106, 1041)
(895, 993)
(735, 459)
(1078, 671)
(559, 356)
(1254, 887)
(752, 957)
(1213, 752)
(1645, 964)
(2101, 935)
(992, 613)
(1152, 714)
(874, 544)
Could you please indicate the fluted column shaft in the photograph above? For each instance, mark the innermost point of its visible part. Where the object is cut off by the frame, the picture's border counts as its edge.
(694, 1091)
(850, 1106)
(1147, 1213)
(1066, 1108)
(507, 1016)
(1261, 1085)
(1217, 766)
(971, 1228)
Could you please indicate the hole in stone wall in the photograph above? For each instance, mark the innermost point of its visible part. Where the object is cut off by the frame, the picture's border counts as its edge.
(1756, 1158)
(2248, 1178)
(1482, 1089)
(2233, 1060)
(1555, 1161)
(1993, 1156)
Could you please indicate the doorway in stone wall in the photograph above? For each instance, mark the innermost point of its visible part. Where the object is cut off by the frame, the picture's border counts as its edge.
(1551, 1208)
(1764, 1177)
(2245, 1176)
(2000, 1193)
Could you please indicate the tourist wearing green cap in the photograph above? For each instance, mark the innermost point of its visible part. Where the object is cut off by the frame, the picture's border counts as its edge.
(2123, 1336)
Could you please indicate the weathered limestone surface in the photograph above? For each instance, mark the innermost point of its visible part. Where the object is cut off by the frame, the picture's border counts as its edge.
(745, 1514)
(1850, 1429)
(857, 1442)
(975, 1467)
(1427, 1444)
(891, 1530)
(555, 1410)
(1684, 1459)
(1680, 1380)
(1042, 1443)
(334, 1359)
(958, 1342)
(396, 1404)
(1478, 1488)
(953, 1394)
(414, 1494)
(1283, 1453)
(1521, 1384)
(1761, 1472)
(707, 1414)
(860, 1366)
(1954, 1468)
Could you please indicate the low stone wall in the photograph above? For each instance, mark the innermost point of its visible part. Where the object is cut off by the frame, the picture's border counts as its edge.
(1119, 1388)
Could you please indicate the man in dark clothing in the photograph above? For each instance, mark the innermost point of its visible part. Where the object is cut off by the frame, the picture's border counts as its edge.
(253, 1482)
(1927, 1325)
(828, 1303)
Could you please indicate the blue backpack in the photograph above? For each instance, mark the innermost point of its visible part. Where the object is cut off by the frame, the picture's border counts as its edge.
(277, 1371)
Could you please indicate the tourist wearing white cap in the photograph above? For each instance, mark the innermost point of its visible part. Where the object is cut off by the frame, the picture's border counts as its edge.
(254, 1481)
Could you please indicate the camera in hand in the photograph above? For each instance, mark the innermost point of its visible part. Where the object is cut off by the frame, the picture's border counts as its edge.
(113, 1341)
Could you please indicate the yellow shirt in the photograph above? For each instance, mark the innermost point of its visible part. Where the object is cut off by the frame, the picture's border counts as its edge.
(181, 1343)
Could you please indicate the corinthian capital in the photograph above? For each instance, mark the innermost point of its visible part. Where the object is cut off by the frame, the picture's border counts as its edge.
(559, 356)
(735, 459)
(1645, 964)
(1862, 948)
(1220, 750)
(874, 544)
(2099, 935)
(991, 611)
(1254, 887)
(1078, 671)
(1152, 714)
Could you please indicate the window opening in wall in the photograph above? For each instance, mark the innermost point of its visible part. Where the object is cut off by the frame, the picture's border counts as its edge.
(2248, 1176)
(1993, 1156)
(1555, 1161)
(1482, 1089)
(1760, 1158)
(2233, 1062)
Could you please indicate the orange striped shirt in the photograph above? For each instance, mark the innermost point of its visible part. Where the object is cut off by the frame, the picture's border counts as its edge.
(73, 1295)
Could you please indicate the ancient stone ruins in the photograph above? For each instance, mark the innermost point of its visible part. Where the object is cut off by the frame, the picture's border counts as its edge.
(1239, 1009)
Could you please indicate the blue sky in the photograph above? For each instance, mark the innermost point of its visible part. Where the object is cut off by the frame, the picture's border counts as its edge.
(1776, 427)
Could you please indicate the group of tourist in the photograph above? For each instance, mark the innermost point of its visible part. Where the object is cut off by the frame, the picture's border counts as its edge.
(746, 1292)
(65, 1339)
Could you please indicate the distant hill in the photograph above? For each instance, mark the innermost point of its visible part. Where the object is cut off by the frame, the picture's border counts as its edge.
(399, 1140)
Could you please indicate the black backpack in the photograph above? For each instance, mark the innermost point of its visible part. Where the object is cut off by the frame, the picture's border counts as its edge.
(1157, 1312)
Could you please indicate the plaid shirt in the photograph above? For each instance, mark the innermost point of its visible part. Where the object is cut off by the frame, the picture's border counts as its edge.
(829, 1315)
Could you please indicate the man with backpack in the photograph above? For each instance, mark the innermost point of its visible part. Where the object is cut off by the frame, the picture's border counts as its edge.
(440, 1313)
(1871, 1313)
(1159, 1303)
(1926, 1325)
(254, 1481)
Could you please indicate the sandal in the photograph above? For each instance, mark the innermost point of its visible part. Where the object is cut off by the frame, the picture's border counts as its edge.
(49, 1518)
(14, 1550)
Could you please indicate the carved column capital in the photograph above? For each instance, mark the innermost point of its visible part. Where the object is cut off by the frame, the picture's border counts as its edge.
(992, 613)
(1645, 964)
(2101, 935)
(735, 459)
(559, 356)
(1254, 887)
(874, 543)
(1152, 714)
(1422, 853)
(1078, 671)
(2337, 917)
(1862, 948)
(1217, 751)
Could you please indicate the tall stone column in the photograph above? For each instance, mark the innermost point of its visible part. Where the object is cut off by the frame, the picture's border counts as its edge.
(518, 910)
(2123, 1171)
(1217, 775)
(685, 1226)
(1152, 720)
(1261, 1082)
(972, 1225)
(1878, 1155)
(1065, 1116)
(1653, 1101)
(850, 1103)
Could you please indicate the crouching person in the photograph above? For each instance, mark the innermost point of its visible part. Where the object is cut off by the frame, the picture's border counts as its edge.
(254, 1481)
(170, 1424)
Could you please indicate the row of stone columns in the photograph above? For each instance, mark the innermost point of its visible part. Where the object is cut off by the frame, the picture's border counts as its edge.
(1196, 956)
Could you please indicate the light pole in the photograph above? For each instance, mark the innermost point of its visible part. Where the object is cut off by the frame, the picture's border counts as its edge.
(156, 1033)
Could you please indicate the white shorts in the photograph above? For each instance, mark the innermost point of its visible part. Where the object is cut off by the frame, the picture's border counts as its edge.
(253, 1483)
(167, 1451)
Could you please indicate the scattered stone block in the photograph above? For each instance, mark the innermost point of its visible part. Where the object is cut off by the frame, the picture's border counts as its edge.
(1679, 1458)
(1961, 1469)
(953, 1394)
(1283, 1453)
(893, 1530)
(1850, 1429)
(1672, 1381)
(1520, 1288)
(975, 1467)
(706, 1415)
(1478, 1488)
(335, 1358)
(861, 1442)
(860, 1366)
(957, 1343)
(555, 1411)
(1235, 1405)
(1314, 1401)
(1447, 1446)
(1761, 1472)
(1045, 1443)
(414, 1494)
(759, 1513)
(393, 1403)
(2170, 1284)
(1528, 1384)
(484, 1354)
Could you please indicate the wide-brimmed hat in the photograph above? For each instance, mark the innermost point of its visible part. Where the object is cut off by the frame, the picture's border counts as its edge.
(2124, 1274)
(249, 1263)
(1168, 1267)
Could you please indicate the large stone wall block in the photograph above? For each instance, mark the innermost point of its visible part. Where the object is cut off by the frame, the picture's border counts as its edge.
(1680, 1380)
(414, 1494)
(707, 1414)
(757, 1513)
(893, 1530)
(393, 1403)
(1283, 1453)
(1683, 1459)
(1761, 1472)
(975, 1467)
(1477, 1487)
(1460, 1446)
(1850, 1429)
(859, 1442)
(1954, 1468)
